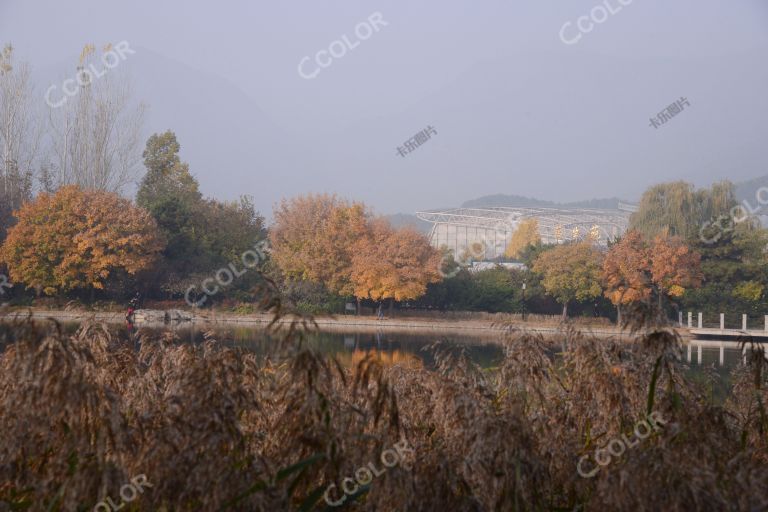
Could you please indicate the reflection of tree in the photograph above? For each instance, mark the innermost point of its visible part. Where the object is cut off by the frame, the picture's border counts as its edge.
(385, 357)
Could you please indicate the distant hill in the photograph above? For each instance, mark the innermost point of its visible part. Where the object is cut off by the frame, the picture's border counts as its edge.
(748, 189)
(529, 202)
(745, 191)
(746, 194)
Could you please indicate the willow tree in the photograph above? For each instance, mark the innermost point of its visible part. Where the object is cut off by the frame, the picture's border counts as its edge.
(678, 209)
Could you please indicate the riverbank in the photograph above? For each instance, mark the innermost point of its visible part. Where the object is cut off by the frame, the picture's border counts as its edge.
(335, 323)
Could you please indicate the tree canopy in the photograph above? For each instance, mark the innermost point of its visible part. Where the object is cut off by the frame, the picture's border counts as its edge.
(570, 272)
(326, 240)
(313, 239)
(525, 236)
(678, 209)
(202, 234)
(393, 264)
(77, 239)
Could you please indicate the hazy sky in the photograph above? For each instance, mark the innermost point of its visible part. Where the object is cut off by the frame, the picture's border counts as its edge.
(515, 109)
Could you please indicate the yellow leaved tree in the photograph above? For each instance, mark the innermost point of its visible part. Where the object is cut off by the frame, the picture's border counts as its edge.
(76, 239)
(526, 235)
(395, 264)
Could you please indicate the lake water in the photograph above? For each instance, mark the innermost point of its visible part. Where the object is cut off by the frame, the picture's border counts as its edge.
(393, 346)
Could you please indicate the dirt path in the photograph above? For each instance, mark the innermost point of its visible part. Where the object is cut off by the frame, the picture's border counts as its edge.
(325, 323)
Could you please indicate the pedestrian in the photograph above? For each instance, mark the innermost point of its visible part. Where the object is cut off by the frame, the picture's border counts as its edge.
(133, 305)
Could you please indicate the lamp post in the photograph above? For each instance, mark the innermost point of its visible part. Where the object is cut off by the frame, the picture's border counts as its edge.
(524, 287)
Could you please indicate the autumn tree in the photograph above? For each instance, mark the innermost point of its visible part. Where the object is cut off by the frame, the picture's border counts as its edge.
(626, 271)
(78, 239)
(635, 269)
(525, 236)
(570, 272)
(675, 266)
(394, 264)
(313, 239)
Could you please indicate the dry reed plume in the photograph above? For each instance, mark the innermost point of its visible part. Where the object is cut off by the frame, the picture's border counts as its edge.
(214, 428)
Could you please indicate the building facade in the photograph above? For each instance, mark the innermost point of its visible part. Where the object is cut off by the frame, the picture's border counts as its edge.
(484, 233)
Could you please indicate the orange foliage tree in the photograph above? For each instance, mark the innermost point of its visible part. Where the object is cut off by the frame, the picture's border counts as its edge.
(75, 239)
(626, 271)
(633, 269)
(674, 266)
(313, 236)
(395, 264)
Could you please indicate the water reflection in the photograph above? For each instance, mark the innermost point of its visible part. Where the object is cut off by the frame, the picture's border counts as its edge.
(727, 354)
(406, 348)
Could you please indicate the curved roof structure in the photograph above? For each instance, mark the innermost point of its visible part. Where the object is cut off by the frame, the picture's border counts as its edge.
(485, 232)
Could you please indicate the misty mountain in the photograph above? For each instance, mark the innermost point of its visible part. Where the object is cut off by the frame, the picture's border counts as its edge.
(529, 202)
(495, 130)
(233, 148)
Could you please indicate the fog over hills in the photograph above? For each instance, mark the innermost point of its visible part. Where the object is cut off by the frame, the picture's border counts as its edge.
(748, 191)
(547, 122)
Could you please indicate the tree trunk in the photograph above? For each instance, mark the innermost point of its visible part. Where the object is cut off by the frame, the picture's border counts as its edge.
(565, 311)
(618, 316)
(358, 305)
(391, 307)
